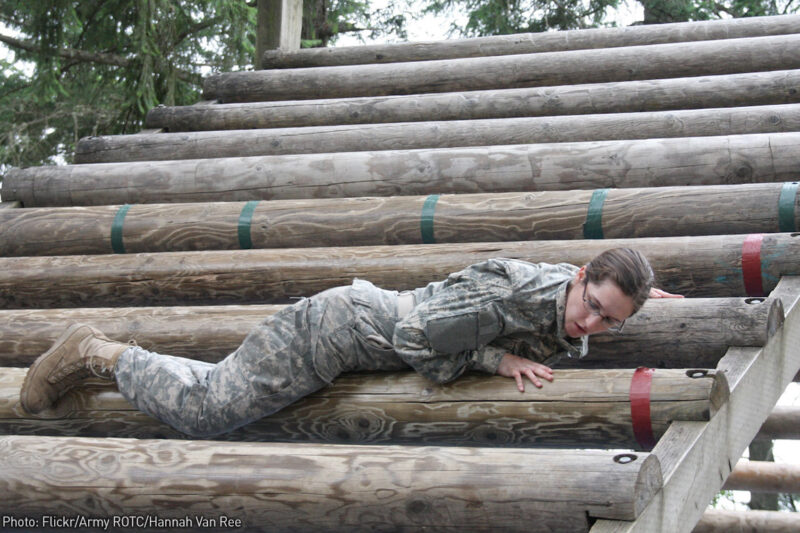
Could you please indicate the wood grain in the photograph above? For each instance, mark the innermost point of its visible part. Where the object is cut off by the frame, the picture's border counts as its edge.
(305, 487)
(694, 266)
(693, 332)
(580, 408)
(528, 43)
(547, 215)
(488, 169)
(747, 89)
(441, 134)
(726, 56)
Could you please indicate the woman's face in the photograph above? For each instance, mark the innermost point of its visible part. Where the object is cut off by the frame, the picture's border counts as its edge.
(608, 298)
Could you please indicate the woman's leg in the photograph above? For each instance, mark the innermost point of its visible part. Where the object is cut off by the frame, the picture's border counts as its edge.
(270, 370)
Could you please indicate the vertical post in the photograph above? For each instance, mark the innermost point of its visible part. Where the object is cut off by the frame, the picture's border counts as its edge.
(279, 24)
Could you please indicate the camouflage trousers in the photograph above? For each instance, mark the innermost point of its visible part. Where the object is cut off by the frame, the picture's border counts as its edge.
(289, 355)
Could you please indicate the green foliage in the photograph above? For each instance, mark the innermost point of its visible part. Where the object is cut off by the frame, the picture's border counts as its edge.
(325, 20)
(496, 17)
(98, 66)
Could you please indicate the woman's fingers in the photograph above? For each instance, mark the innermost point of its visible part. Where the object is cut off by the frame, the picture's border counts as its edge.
(520, 384)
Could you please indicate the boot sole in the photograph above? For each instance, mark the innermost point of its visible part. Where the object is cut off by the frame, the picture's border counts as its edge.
(37, 364)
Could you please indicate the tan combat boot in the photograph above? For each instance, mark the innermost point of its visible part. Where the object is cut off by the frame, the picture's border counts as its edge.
(80, 356)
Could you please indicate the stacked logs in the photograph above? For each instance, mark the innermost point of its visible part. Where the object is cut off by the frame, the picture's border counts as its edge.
(680, 141)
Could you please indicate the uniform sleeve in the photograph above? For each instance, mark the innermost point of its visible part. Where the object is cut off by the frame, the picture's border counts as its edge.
(449, 332)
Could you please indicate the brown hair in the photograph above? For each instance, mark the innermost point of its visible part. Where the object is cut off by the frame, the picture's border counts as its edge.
(628, 268)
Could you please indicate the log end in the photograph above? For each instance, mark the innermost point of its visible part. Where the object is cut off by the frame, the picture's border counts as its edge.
(775, 317)
(648, 483)
(720, 391)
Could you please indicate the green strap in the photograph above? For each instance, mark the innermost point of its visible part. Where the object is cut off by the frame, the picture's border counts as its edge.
(426, 220)
(786, 207)
(245, 219)
(593, 227)
(116, 230)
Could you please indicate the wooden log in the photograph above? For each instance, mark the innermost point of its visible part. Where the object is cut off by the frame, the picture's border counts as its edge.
(580, 408)
(528, 43)
(323, 487)
(752, 88)
(445, 134)
(624, 213)
(694, 332)
(702, 58)
(783, 423)
(694, 266)
(764, 476)
(721, 521)
(697, 457)
(537, 167)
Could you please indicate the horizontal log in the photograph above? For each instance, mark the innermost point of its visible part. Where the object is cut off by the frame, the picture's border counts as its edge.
(673, 60)
(323, 487)
(693, 332)
(580, 408)
(733, 90)
(721, 521)
(533, 167)
(443, 134)
(528, 43)
(694, 266)
(624, 213)
(783, 423)
(752, 88)
(764, 476)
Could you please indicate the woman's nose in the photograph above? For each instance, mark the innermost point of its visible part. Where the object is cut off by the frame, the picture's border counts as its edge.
(594, 322)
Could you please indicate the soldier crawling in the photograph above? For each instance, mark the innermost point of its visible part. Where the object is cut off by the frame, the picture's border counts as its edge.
(502, 316)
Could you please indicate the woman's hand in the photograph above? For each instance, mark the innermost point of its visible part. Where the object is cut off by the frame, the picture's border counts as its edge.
(512, 366)
(658, 293)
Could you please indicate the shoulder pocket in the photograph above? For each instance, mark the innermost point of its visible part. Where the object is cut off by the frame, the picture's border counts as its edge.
(458, 333)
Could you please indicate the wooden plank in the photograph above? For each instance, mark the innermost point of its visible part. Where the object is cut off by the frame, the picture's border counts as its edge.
(324, 487)
(442, 134)
(580, 408)
(265, 276)
(697, 457)
(526, 43)
(668, 333)
(279, 23)
(533, 167)
(752, 88)
(549, 215)
(702, 58)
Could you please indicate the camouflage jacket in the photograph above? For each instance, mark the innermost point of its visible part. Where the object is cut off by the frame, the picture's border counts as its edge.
(475, 316)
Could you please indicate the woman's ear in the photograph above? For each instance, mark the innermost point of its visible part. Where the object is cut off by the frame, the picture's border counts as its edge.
(580, 275)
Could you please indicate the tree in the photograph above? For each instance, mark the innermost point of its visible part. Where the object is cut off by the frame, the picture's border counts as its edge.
(495, 17)
(100, 65)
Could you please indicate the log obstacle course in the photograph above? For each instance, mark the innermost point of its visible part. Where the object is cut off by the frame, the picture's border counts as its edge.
(681, 141)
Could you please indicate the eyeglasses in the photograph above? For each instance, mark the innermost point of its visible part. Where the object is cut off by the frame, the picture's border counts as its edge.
(612, 324)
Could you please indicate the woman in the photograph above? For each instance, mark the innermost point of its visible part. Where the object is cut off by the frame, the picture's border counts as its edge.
(502, 316)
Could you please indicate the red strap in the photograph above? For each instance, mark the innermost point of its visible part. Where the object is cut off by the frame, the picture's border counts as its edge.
(640, 407)
(751, 265)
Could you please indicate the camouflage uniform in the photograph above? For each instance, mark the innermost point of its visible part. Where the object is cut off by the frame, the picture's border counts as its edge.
(466, 322)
